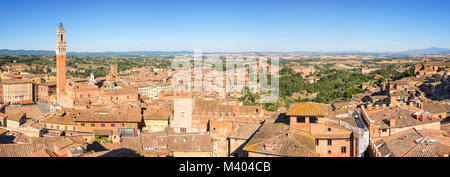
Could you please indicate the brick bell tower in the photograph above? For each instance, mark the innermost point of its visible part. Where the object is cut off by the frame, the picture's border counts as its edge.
(60, 48)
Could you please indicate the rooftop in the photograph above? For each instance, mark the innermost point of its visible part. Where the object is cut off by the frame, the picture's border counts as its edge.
(243, 130)
(403, 116)
(308, 109)
(67, 120)
(115, 115)
(414, 143)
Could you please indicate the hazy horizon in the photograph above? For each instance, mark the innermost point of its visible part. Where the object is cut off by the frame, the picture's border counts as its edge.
(348, 51)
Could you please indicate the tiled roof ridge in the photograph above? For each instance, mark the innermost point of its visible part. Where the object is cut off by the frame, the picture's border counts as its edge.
(303, 134)
(267, 140)
(389, 114)
(414, 148)
(302, 105)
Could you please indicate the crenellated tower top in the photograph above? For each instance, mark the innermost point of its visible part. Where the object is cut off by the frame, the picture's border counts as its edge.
(61, 45)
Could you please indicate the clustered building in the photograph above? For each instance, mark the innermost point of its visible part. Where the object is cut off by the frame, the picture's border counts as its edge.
(136, 112)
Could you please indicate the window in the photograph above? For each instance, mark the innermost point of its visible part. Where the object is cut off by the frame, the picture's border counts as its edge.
(103, 125)
(300, 120)
(183, 130)
(113, 125)
(317, 142)
(122, 125)
(74, 128)
(329, 151)
(82, 124)
(92, 125)
(182, 114)
(330, 142)
(384, 130)
(313, 120)
(343, 150)
(329, 129)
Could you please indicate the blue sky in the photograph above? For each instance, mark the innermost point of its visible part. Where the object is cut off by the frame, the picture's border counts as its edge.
(252, 25)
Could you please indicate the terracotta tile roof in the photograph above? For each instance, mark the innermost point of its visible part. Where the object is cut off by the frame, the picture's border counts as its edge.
(431, 150)
(308, 109)
(15, 150)
(32, 112)
(33, 124)
(402, 143)
(157, 114)
(62, 143)
(189, 143)
(414, 143)
(77, 139)
(403, 116)
(383, 149)
(206, 106)
(122, 91)
(268, 130)
(16, 116)
(131, 143)
(21, 139)
(43, 142)
(274, 138)
(121, 115)
(445, 127)
(296, 144)
(243, 130)
(59, 120)
(149, 140)
(434, 108)
(48, 143)
(21, 150)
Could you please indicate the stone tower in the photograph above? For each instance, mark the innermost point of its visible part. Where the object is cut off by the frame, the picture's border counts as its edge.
(60, 48)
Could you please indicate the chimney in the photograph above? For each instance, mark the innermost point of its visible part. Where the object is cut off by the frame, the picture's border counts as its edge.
(392, 122)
